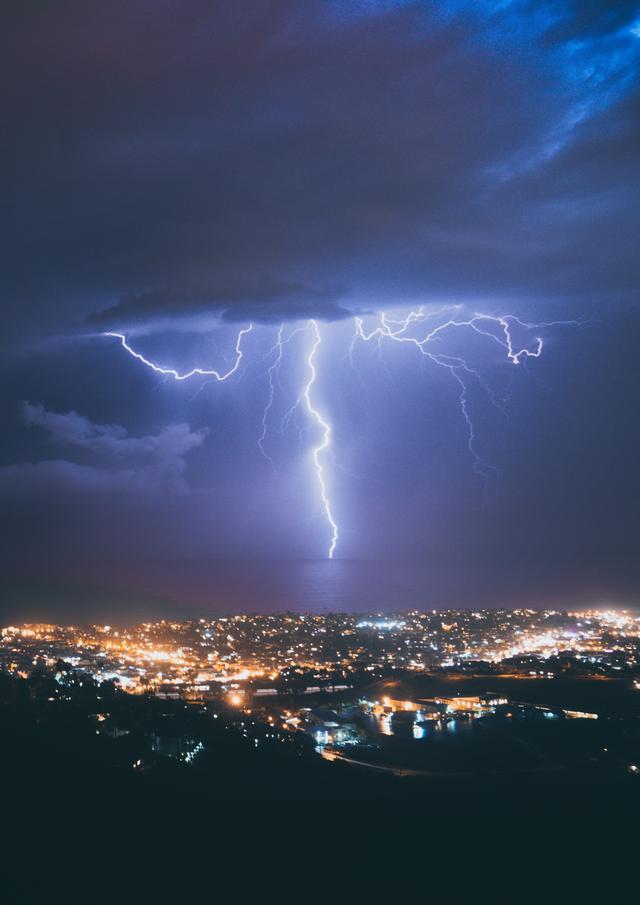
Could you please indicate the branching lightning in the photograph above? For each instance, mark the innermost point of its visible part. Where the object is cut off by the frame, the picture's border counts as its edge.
(397, 330)
(272, 372)
(272, 369)
(394, 329)
(406, 330)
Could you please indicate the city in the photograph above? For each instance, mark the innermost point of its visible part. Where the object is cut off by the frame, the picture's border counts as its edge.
(258, 655)
(412, 694)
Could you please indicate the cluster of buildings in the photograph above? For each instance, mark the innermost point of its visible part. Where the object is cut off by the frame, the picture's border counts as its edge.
(417, 717)
(360, 689)
(244, 657)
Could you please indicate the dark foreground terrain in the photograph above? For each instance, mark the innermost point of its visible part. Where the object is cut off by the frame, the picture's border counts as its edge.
(97, 758)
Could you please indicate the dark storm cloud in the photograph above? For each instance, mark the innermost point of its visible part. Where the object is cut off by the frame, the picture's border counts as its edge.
(264, 301)
(388, 148)
(134, 462)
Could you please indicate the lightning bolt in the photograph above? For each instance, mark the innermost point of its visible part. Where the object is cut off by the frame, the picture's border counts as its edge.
(325, 444)
(409, 330)
(194, 372)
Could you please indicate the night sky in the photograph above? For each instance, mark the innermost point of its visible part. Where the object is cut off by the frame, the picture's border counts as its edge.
(174, 171)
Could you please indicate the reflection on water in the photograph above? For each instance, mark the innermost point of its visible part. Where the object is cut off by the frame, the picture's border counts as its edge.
(134, 590)
(417, 728)
(380, 723)
(346, 585)
(313, 586)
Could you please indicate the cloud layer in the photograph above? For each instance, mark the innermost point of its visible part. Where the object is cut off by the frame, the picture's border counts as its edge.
(123, 462)
(166, 158)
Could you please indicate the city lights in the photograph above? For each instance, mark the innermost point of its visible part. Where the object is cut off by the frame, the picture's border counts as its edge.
(243, 654)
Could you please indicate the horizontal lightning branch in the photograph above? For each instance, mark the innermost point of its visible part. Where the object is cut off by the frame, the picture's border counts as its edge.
(194, 372)
(499, 329)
